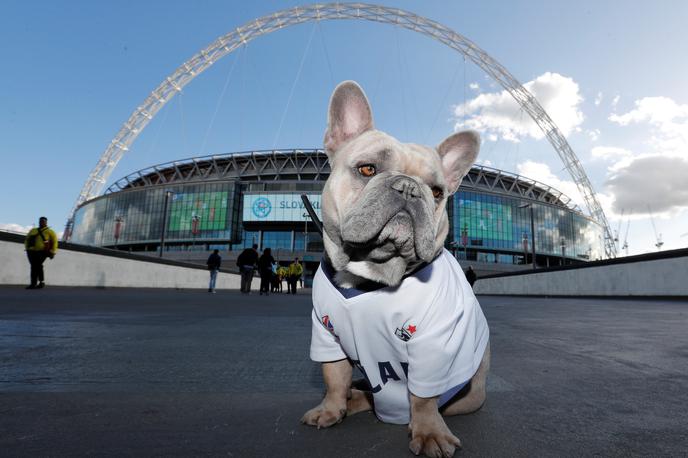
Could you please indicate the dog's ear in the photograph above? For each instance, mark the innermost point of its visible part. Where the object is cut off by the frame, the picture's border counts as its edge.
(458, 153)
(349, 116)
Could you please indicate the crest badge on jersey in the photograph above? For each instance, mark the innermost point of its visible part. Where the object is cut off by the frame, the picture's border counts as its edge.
(327, 323)
(405, 333)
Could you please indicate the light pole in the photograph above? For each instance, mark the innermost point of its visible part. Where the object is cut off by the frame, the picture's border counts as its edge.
(532, 229)
(464, 241)
(305, 234)
(168, 194)
(118, 228)
(524, 240)
(195, 219)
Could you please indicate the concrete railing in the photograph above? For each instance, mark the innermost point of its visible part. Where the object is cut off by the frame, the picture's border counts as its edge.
(655, 274)
(78, 265)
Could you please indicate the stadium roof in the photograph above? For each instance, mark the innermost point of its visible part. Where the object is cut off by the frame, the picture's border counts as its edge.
(312, 165)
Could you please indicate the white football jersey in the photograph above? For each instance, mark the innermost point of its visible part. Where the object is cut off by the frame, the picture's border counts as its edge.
(426, 336)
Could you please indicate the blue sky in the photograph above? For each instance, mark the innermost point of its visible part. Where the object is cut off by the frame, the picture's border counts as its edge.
(611, 74)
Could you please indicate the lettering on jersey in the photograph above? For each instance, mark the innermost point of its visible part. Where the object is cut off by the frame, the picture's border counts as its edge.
(327, 323)
(386, 371)
(374, 389)
(405, 333)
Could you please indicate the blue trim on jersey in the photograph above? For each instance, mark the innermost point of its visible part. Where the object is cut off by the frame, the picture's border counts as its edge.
(446, 397)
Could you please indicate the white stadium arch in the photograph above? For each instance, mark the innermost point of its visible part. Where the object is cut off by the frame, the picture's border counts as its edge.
(226, 44)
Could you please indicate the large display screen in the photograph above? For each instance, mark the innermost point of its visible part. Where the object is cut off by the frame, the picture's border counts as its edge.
(485, 220)
(210, 208)
(278, 207)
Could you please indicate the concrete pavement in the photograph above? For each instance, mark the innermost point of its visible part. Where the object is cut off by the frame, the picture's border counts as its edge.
(125, 372)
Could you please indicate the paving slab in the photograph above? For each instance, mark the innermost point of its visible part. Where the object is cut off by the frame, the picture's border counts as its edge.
(146, 372)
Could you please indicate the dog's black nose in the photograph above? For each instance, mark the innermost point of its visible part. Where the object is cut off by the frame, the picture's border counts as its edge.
(407, 187)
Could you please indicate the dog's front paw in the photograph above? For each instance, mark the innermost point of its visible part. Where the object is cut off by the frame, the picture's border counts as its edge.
(324, 415)
(431, 436)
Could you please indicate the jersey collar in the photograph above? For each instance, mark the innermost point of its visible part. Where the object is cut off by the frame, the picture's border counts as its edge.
(422, 273)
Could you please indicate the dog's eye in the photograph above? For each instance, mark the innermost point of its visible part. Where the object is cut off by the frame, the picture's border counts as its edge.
(367, 170)
(436, 192)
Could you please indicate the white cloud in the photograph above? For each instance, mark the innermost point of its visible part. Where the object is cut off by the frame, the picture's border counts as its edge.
(615, 101)
(610, 153)
(500, 114)
(656, 110)
(667, 119)
(474, 86)
(594, 134)
(23, 229)
(541, 172)
(598, 98)
(13, 227)
(657, 182)
(655, 179)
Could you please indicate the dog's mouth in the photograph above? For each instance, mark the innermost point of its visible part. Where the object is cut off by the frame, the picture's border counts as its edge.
(381, 253)
(395, 239)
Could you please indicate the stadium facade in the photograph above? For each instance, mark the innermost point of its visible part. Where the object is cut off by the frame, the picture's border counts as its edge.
(231, 201)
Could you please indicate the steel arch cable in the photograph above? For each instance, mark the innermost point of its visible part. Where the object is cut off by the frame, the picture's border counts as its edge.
(339, 11)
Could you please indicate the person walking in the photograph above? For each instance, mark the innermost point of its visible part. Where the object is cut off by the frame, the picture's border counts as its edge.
(471, 276)
(265, 269)
(295, 272)
(214, 262)
(247, 262)
(40, 243)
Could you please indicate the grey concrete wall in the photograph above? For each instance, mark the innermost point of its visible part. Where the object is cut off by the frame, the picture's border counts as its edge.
(75, 268)
(658, 277)
(492, 268)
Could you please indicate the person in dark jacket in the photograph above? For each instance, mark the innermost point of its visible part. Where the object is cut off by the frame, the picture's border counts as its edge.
(214, 261)
(247, 262)
(471, 276)
(265, 268)
(275, 282)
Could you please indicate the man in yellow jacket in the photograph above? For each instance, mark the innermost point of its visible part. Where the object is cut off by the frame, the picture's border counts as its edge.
(295, 272)
(40, 243)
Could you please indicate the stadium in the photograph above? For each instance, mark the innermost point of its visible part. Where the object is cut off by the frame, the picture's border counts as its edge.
(183, 209)
(499, 221)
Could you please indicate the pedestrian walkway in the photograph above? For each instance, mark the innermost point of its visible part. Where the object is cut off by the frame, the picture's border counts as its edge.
(179, 372)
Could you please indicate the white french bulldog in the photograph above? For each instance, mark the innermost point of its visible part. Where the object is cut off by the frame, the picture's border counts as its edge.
(388, 298)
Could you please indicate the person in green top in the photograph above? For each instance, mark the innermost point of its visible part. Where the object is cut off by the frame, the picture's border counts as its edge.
(295, 272)
(40, 243)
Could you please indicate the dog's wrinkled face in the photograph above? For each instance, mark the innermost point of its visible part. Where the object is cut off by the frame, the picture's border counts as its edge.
(384, 204)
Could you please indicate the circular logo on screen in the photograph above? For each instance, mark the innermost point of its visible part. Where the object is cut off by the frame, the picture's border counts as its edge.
(261, 207)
